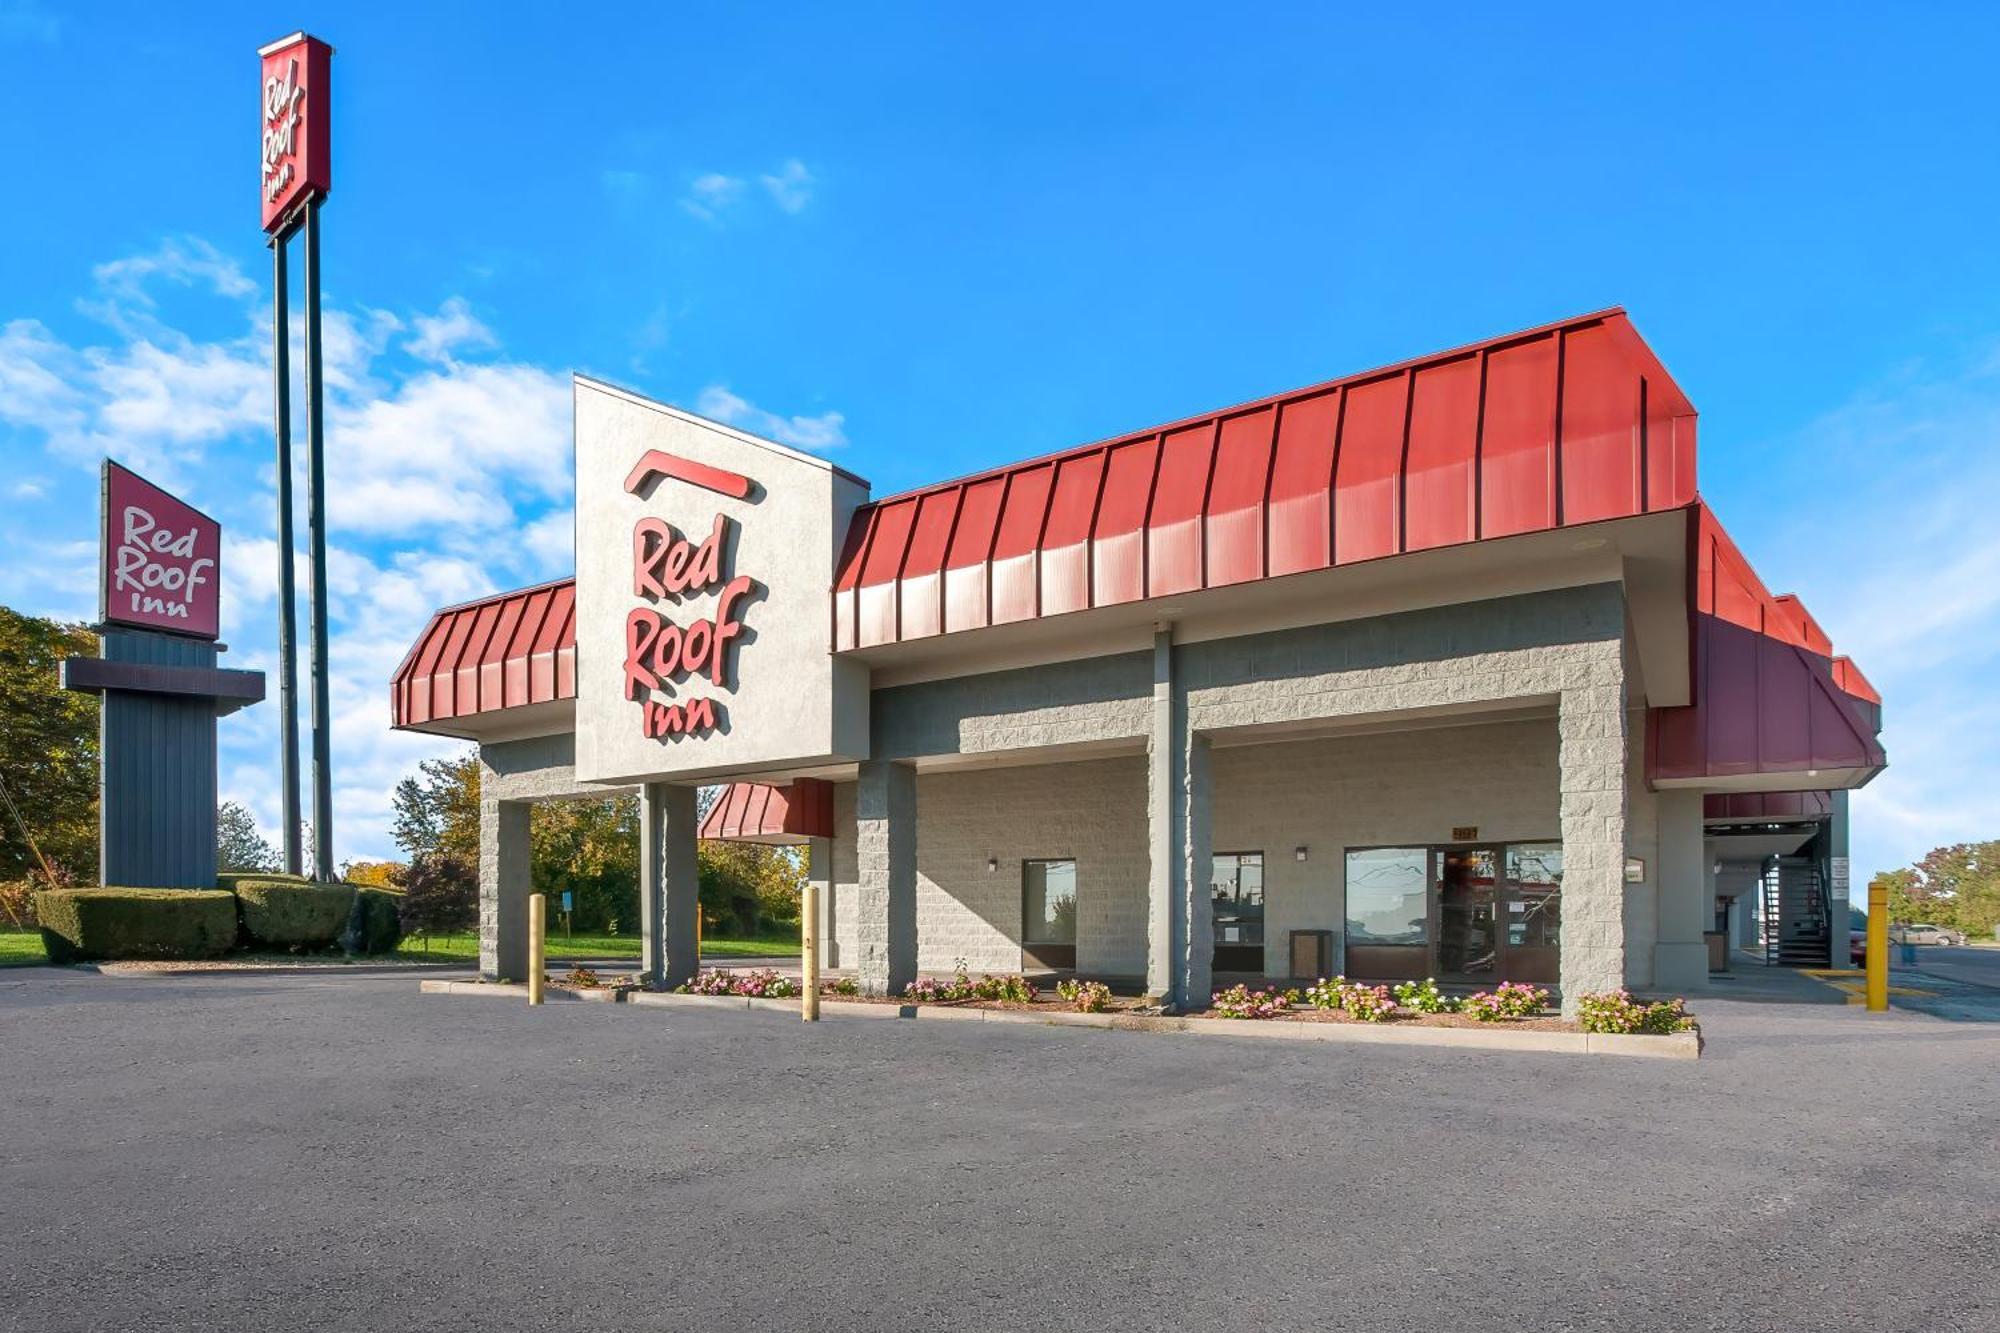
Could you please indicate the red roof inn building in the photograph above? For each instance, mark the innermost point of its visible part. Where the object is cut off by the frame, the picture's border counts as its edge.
(1444, 669)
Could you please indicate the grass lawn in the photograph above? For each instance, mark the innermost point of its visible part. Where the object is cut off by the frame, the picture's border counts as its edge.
(466, 946)
(21, 948)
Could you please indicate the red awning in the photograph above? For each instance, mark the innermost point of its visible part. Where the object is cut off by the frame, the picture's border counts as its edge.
(1566, 424)
(1770, 711)
(758, 812)
(504, 651)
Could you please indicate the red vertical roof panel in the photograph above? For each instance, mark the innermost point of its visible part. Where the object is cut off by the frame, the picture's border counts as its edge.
(1236, 498)
(966, 603)
(1065, 571)
(1173, 525)
(1118, 542)
(880, 567)
(1439, 480)
(921, 610)
(1602, 473)
(1302, 484)
(1367, 489)
(1517, 445)
(1022, 514)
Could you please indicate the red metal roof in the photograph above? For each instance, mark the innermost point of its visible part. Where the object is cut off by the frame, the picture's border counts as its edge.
(1760, 807)
(1769, 696)
(1569, 423)
(500, 652)
(759, 812)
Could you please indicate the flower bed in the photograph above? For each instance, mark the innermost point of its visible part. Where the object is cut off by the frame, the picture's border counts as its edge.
(1421, 1003)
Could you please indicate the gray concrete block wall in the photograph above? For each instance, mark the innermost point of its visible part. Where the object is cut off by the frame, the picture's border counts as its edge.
(885, 858)
(1061, 703)
(1642, 842)
(1386, 789)
(1591, 724)
(1092, 812)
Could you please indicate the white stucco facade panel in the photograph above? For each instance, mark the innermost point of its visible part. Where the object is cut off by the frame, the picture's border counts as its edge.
(779, 696)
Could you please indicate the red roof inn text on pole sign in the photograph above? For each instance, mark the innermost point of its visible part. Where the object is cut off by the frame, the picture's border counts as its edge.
(297, 161)
(162, 559)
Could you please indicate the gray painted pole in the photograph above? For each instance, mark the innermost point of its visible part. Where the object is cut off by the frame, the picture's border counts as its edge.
(322, 736)
(288, 622)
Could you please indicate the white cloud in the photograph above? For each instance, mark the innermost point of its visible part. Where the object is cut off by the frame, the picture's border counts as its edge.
(791, 187)
(817, 434)
(185, 261)
(711, 194)
(27, 488)
(453, 329)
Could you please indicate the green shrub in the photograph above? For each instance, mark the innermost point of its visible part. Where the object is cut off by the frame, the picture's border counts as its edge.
(135, 923)
(381, 919)
(228, 880)
(293, 914)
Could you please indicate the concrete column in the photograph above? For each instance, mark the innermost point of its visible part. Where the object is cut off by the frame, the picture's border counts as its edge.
(1162, 745)
(1591, 728)
(504, 885)
(669, 884)
(1180, 926)
(885, 898)
(1197, 875)
(1680, 958)
(819, 869)
(1839, 884)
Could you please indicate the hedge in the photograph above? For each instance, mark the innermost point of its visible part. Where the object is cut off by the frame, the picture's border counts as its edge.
(381, 919)
(293, 914)
(229, 879)
(135, 923)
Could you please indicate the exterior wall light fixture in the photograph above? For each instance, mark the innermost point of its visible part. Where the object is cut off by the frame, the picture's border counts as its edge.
(1299, 853)
(992, 864)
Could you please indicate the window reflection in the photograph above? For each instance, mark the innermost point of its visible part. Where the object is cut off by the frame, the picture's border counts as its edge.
(1048, 902)
(1388, 895)
(1238, 898)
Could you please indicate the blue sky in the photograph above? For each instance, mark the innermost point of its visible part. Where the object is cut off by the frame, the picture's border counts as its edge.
(925, 241)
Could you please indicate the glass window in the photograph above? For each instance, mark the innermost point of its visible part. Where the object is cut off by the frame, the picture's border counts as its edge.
(1534, 909)
(1238, 895)
(1048, 902)
(1388, 895)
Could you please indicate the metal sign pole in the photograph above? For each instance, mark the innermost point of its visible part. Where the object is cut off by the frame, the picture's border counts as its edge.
(322, 736)
(288, 625)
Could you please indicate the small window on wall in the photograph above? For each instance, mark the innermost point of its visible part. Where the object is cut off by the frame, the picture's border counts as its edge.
(1388, 895)
(1239, 898)
(1048, 902)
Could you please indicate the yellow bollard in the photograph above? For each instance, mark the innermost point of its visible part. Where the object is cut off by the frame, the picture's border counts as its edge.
(1877, 986)
(809, 952)
(538, 945)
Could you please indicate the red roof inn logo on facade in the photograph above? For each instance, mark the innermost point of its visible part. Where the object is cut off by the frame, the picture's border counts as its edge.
(665, 564)
(161, 558)
(296, 161)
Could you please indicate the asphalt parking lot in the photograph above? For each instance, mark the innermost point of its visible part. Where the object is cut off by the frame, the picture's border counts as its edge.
(269, 1153)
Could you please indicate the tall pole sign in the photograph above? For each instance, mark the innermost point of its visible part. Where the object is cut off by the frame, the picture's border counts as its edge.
(296, 164)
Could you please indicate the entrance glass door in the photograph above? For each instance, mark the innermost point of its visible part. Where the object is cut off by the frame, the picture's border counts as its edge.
(1468, 882)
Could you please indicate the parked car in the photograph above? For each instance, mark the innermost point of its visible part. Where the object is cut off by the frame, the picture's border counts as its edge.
(1857, 947)
(1920, 933)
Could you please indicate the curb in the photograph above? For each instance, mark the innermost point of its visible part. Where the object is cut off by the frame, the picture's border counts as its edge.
(1678, 1046)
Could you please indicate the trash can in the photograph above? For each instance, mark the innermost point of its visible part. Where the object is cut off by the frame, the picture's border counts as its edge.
(1718, 949)
(1312, 954)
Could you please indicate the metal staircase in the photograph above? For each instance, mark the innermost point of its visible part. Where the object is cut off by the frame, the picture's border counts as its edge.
(1797, 926)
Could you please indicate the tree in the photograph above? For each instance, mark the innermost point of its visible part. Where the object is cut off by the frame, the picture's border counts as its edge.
(375, 874)
(440, 895)
(438, 809)
(48, 748)
(239, 847)
(1956, 886)
(591, 850)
